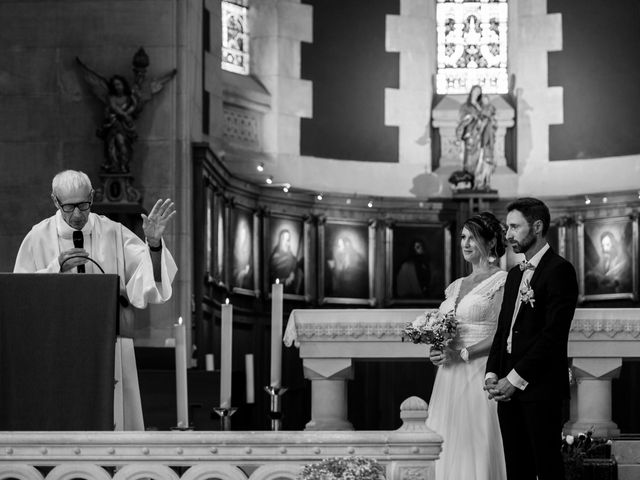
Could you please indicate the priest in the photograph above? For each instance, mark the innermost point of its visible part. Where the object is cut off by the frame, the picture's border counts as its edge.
(74, 240)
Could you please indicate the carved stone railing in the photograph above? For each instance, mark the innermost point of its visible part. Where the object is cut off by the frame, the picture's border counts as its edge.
(406, 454)
(330, 340)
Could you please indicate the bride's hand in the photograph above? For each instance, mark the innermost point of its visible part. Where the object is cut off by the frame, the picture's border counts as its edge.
(444, 357)
(436, 356)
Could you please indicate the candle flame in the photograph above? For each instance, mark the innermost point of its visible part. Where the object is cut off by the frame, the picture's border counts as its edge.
(277, 280)
(227, 301)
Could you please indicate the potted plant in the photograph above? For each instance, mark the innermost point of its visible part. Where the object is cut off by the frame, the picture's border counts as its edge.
(587, 457)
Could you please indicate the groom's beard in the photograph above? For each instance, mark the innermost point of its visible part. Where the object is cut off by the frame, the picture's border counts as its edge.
(523, 246)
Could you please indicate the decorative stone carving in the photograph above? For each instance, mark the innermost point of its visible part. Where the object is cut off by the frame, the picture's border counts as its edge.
(414, 413)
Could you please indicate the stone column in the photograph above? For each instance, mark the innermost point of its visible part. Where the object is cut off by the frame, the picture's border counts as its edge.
(328, 392)
(593, 399)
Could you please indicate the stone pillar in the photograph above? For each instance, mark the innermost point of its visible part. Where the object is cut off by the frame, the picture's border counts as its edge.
(593, 399)
(328, 392)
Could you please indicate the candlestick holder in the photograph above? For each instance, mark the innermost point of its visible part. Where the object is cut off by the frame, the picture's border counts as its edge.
(225, 416)
(275, 406)
(181, 428)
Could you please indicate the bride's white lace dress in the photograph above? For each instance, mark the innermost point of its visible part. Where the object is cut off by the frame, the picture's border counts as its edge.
(459, 409)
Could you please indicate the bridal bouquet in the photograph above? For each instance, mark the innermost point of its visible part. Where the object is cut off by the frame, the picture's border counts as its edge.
(433, 328)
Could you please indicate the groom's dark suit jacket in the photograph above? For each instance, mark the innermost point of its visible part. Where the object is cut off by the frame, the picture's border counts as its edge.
(540, 333)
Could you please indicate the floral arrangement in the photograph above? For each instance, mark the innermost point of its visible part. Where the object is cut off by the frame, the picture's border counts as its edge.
(433, 328)
(343, 468)
(576, 448)
(526, 294)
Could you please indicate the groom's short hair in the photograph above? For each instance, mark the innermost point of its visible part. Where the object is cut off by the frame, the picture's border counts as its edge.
(532, 209)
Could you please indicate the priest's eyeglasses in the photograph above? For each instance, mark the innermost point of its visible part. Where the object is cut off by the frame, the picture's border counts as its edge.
(70, 207)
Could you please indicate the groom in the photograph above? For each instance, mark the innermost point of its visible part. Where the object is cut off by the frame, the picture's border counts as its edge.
(527, 366)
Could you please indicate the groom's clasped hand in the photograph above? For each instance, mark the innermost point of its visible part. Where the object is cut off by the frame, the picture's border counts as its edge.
(499, 390)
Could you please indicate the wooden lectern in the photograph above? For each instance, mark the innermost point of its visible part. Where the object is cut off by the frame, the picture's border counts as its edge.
(57, 337)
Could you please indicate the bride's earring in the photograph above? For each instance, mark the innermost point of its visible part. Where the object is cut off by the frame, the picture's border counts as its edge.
(492, 257)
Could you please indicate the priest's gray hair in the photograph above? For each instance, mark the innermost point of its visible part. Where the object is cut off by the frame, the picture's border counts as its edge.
(70, 181)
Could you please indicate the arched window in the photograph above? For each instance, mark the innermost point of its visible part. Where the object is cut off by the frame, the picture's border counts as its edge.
(235, 36)
(472, 46)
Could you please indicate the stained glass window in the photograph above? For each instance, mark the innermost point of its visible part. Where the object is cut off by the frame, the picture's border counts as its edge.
(472, 46)
(235, 37)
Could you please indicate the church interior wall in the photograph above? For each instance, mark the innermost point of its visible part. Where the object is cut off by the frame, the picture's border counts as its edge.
(49, 118)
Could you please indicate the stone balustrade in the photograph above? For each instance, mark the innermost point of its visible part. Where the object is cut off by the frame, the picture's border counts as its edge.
(330, 340)
(406, 454)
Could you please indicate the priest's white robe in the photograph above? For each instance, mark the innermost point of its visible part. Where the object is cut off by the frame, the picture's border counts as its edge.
(117, 250)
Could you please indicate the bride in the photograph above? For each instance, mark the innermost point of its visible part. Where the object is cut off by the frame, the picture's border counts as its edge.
(459, 409)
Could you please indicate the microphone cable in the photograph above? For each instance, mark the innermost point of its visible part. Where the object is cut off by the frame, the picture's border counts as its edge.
(81, 256)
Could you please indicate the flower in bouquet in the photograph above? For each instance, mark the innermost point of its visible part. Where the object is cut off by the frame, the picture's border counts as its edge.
(343, 468)
(432, 328)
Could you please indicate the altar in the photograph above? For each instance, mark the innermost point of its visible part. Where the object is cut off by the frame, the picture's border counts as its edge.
(329, 340)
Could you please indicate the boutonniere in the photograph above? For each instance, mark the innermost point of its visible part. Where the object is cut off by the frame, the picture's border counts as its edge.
(527, 294)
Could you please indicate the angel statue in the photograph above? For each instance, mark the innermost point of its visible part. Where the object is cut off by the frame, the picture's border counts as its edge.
(122, 105)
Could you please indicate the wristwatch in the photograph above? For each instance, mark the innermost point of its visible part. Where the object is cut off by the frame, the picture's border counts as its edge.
(464, 355)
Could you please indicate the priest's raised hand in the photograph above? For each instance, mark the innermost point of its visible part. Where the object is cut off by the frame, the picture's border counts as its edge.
(156, 222)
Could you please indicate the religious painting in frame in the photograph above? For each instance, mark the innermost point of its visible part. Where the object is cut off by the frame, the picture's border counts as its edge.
(608, 258)
(218, 237)
(208, 233)
(418, 262)
(287, 255)
(346, 261)
(244, 267)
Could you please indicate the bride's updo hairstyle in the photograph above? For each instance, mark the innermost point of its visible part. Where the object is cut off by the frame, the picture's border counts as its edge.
(485, 227)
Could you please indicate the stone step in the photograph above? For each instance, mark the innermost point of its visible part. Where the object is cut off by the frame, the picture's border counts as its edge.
(626, 450)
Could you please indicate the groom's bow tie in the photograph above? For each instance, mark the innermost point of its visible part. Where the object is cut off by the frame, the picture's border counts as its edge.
(524, 265)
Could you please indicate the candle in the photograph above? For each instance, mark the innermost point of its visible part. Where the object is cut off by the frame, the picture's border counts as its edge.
(208, 361)
(276, 334)
(181, 374)
(225, 355)
(248, 368)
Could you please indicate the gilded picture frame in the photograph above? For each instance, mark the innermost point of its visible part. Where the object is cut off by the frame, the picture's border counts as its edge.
(244, 247)
(346, 261)
(608, 258)
(418, 262)
(287, 255)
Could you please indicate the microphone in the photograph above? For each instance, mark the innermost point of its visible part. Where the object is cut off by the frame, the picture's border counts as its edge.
(78, 242)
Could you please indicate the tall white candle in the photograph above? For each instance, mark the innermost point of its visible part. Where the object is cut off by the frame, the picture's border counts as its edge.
(225, 355)
(248, 368)
(208, 362)
(276, 334)
(182, 402)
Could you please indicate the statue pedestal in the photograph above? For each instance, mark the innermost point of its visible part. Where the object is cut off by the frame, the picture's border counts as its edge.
(117, 188)
(119, 200)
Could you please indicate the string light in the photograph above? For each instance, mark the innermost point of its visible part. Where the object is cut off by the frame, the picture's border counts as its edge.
(319, 196)
(370, 204)
(269, 180)
(348, 200)
(587, 200)
(605, 199)
(260, 167)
